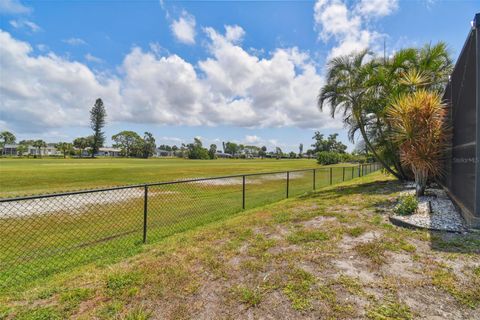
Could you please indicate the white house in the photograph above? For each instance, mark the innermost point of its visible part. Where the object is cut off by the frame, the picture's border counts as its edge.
(163, 153)
(49, 150)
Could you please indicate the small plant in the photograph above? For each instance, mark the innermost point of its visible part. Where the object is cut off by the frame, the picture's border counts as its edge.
(406, 205)
(251, 297)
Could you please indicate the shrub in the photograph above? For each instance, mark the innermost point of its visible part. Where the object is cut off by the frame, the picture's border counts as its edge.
(327, 157)
(420, 129)
(406, 205)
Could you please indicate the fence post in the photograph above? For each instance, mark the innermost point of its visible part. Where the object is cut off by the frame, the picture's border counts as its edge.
(313, 179)
(145, 211)
(353, 169)
(288, 181)
(331, 180)
(343, 174)
(243, 192)
(359, 166)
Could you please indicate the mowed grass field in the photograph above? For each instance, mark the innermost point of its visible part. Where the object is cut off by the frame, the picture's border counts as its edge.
(43, 237)
(35, 176)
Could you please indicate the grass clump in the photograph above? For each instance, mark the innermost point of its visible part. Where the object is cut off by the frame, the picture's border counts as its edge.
(476, 272)
(305, 236)
(120, 283)
(406, 205)
(373, 250)
(250, 297)
(71, 299)
(109, 310)
(138, 314)
(390, 310)
(355, 231)
(298, 289)
(40, 313)
(465, 294)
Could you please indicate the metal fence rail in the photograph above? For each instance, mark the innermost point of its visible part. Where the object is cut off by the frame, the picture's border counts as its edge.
(46, 234)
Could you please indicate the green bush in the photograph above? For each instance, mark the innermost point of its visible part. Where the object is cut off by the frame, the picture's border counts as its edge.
(327, 157)
(406, 205)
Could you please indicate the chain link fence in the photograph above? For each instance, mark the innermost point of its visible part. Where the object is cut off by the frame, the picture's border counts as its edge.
(47, 234)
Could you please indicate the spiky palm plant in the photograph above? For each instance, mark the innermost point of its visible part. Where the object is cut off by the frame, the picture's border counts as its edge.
(418, 120)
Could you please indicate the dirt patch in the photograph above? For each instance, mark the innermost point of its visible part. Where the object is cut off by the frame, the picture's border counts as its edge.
(318, 222)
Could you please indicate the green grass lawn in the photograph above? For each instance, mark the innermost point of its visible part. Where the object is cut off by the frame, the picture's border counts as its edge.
(36, 246)
(329, 254)
(47, 175)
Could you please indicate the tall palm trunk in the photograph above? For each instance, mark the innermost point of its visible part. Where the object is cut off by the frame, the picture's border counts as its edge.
(369, 145)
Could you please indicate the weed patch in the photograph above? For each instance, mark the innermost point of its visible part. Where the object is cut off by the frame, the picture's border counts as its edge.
(305, 236)
(390, 310)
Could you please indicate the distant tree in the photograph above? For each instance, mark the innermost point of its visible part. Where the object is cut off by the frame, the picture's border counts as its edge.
(231, 148)
(65, 148)
(330, 144)
(328, 157)
(148, 145)
(292, 155)
(197, 151)
(6, 137)
(300, 150)
(97, 122)
(39, 144)
(174, 149)
(166, 147)
(310, 153)
(278, 152)
(212, 152)
(22, 149)
(82, 143)
(262, 152)
(127, 141)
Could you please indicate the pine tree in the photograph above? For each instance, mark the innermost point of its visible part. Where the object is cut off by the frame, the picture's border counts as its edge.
(97, 122)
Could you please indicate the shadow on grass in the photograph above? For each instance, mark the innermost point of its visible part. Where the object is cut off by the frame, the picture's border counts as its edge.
(468, 243)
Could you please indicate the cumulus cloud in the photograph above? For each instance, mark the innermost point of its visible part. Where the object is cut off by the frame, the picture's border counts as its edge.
(377, 8)
(47, 91)
(348, 25)
(75, 41)
(184, 28)
(13, 7)
(22, 23)
(230, 87)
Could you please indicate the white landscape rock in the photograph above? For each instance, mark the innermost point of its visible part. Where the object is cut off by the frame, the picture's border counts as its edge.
(444, 215)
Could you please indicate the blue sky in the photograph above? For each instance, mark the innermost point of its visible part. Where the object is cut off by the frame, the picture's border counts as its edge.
(239, 71)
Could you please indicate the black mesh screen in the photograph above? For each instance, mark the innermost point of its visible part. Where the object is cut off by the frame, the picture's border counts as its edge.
(460, 96)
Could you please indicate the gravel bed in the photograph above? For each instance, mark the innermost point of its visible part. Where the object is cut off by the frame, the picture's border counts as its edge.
(443, 216)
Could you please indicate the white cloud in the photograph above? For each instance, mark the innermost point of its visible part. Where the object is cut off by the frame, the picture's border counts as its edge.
(47, 91)
(22, 23)
(348, 26)
(92, 58)
(230, 87)
(184, 28)
(75, 41)
(13, 7)
(252, 139)
(377, 8)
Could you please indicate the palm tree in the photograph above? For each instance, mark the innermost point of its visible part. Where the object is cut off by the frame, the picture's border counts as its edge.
(347, 91)
(364, 90)
(39, 144)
